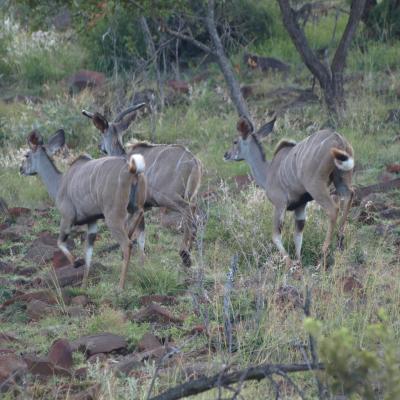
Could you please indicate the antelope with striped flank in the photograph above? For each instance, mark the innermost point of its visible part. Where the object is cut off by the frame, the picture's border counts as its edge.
(173, 174)
(88, 191)
(299, 173)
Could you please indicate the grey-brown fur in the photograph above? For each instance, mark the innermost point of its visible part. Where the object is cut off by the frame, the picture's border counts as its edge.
(173, 176)
(297, 174)
(87, 191)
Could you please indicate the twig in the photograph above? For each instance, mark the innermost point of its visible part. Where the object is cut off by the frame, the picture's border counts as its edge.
(227, 301)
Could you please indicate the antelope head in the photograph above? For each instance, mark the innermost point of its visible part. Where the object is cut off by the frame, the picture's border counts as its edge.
(38, 150)
(241, 149)
(112, 133)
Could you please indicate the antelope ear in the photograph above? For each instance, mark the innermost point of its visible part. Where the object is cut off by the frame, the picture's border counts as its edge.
(245, 127)
(100, 122)
(35, 139)
(266, 129)
(55, 142)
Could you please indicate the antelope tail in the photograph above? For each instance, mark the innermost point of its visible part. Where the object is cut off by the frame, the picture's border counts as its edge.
(343, 160)
(136, 164)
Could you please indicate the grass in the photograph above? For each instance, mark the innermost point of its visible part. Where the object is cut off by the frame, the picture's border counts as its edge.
(237, 222)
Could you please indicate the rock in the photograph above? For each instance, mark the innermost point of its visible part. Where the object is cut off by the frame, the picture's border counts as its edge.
(28, 271)
(12, 369)
(242, 181)
(155, 313)
(393, 168)
(97, 358)
(43, 367)
(77, 311)
(157, 298)
(179, 86)
(390, 213)
(59, 260)
(14, 233)
(81, 373)
(393, 115)
(350, 284)
(68, 276)
(148, 342)
(38, 309)
(39, 252)
(99, 343)
(18, 211)
(60, 354)
(47, 296)
(81, 300)
(85, 79)
(91, 393)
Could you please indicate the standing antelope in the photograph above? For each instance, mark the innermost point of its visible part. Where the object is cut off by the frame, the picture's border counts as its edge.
(173, 173)
(89, 190)
(297, 174)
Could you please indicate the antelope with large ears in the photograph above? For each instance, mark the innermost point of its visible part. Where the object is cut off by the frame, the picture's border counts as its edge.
(297, 174)
(173, 174)
(88, 191)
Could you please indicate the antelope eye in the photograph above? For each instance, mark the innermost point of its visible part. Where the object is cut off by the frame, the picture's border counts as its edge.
(235, 142)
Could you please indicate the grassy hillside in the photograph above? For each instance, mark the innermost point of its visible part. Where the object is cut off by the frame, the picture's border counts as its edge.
(268, 325)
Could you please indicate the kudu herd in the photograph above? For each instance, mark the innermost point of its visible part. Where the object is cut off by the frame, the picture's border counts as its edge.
(120, 187)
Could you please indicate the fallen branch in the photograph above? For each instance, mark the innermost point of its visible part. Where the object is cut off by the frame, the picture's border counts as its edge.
(253, 373)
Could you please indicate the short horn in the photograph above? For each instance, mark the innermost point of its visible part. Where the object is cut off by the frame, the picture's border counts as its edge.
(129, 110)
(87, 114)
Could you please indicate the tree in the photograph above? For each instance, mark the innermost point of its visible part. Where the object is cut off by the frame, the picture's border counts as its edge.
(329, 77)
(217, 50)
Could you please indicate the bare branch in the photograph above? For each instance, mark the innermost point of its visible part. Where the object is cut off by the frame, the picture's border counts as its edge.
(257, 373)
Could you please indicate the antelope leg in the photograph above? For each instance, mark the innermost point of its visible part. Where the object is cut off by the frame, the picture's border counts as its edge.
(90, 239)
(279, 215)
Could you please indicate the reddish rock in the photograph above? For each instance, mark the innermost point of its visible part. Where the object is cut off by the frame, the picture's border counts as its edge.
(393, 168)
(13, 233)
(43, 367)
(99, 343)
(157, 298)
(69, 275)
(77, 311)
(59, 259)
(155, 313)
(46, 296)
(12, 368)
(242, 181)
(148, 342)
(179, 86)
(81, 300)
(60, 354)
(81, 373)
(85, 79)
(351, 284)
(6, 338)
(38, 309)
(39, 252)
(198, 329)
(18, 211)
(28, 271)
(4, 226)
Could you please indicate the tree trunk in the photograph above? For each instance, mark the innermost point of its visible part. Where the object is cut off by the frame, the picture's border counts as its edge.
(224, 63)
(330, 79)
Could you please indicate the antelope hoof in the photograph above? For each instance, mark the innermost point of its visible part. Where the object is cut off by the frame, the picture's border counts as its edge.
(79, 262)
(186, 260)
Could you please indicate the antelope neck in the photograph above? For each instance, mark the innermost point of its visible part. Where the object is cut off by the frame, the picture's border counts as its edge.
(49, 174)
(258, 166)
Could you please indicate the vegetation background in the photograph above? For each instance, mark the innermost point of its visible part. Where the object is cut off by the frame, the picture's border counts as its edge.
(354, 306)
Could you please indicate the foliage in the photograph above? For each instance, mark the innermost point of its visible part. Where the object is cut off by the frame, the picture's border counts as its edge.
(366, 369)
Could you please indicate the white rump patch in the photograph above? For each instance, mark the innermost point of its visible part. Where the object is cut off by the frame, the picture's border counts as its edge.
(345, 165)
(138, 159)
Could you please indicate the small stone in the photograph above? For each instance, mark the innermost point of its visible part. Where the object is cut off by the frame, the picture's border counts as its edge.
(60, 353)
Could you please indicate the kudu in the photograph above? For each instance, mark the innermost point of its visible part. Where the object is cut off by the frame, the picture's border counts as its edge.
(297, 174)
(173, 174)
(89, 190)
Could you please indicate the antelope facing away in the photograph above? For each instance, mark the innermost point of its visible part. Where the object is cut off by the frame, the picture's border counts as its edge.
(297, 174)
(173, 174)
(88, 191)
